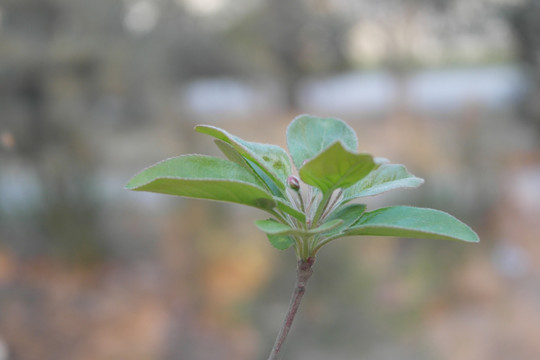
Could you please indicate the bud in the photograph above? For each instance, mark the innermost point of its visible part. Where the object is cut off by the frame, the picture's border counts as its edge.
(293, 182)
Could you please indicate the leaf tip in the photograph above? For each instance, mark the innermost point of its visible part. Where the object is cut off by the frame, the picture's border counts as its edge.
(201, 128)
(475, 238)
(132, 184)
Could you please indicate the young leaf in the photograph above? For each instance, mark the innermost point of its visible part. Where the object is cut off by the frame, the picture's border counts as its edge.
(349, 214)
(327, 226)
(235, 156)
(230, 153)
(413, 222)
(280, 242)
(272, 159)
(203, 177)
(273, 227)
(385, 178)
(287, 208)
(336, 167)
(268, 182)
(308, 135)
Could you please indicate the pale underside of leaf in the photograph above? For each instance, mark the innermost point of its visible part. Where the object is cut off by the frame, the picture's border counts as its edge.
(233, 155)
(230, 153)
(267, 180)
(413, 222)
(272, 160)
(308, 135)
(387, 177)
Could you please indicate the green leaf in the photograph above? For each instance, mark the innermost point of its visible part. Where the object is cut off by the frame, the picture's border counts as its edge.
(336, 167)
(327, 226)
(308, 135)
(203, 177)
(271, 159)
(270, 184)
(280, 242)
(349, 214)
(233, 155)
(287, 208)
(230, 153)
(277, 233)
(413, 222)
(385, 178)
(273, 227)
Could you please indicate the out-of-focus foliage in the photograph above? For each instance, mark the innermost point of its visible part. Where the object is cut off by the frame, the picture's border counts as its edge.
(525, 21)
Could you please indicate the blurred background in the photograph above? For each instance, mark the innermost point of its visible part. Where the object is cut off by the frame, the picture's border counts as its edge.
(91, 92)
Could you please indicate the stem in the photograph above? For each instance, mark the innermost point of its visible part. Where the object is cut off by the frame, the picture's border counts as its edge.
(279, 216)
(301, 202)
(305, 250)
(303, 273)
(322, 206)
(332, 204)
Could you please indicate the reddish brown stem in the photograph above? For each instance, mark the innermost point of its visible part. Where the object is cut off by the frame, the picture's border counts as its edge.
(303, 273)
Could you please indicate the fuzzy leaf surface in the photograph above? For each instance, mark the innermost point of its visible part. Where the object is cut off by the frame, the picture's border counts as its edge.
(203, 177)
(280, 242)
(272, 160)
(336, 167)
(349, 214)
(230, 153)
(413, 222)
(287, 208)
(308, 135)
(273, 227)
(385, 178)
(327, 226)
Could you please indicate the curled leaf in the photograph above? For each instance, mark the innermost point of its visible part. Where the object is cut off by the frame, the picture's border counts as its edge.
(271, 159)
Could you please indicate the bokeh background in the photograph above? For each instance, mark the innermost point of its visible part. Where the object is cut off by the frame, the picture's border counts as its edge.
(93, 91)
